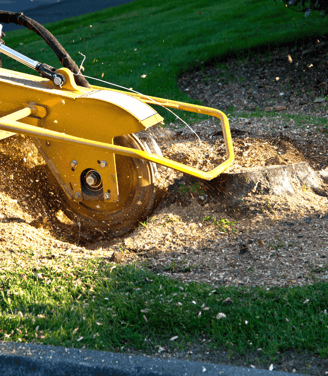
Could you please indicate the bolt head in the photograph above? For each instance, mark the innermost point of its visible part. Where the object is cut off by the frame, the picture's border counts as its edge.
(77, 195)
(58, 81)
(90, 180)
(73, 163)
(103, 164)
(107, 196)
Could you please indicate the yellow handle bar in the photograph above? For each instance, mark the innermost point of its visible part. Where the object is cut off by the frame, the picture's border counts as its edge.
(11, 123)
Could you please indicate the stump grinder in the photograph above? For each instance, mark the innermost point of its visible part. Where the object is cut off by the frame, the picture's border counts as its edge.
(86, 135)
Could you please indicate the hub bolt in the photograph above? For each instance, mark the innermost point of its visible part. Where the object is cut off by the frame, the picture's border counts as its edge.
(103, 164)
(107, 196)
(73, 163)
(91, 180)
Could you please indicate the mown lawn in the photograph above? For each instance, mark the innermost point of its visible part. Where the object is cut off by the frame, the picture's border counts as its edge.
(161, 40)
(95, 304)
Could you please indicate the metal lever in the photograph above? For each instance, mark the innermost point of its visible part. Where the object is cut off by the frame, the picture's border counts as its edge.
(43, 69)
(19, 57)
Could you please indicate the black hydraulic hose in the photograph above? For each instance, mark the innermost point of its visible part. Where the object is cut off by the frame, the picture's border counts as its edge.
(2, 35)
(62, 54)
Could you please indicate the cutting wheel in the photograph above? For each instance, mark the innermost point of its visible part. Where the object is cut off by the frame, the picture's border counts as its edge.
(136, 195)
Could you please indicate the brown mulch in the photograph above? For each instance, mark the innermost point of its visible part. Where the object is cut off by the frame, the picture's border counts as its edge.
(290, 78)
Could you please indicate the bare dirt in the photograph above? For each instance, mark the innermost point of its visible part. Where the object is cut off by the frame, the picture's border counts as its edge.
(196, 233)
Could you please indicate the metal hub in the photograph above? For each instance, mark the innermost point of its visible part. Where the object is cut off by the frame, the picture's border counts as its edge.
(91, 179)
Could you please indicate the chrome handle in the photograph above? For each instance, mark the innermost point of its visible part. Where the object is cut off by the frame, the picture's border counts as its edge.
(18, 56)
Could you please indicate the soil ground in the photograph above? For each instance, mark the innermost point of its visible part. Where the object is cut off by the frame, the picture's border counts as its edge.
(193, 234)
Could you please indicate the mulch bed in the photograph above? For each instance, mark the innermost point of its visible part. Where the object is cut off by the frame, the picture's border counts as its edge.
(291, 78)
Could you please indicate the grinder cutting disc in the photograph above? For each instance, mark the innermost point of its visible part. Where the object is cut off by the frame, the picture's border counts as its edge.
(136, 195)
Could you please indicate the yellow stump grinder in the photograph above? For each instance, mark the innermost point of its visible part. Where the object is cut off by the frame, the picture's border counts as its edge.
(86, 136)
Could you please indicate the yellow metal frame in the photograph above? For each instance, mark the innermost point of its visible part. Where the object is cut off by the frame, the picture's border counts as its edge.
(11, 123)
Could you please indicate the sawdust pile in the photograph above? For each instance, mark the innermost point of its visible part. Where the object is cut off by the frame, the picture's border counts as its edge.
(201, 233)
(28, 201)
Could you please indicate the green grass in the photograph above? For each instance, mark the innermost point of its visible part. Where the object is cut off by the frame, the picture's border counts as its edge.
(100, 306)
(223, 224)
(193, 188)
(161, 40)
(301, 120)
